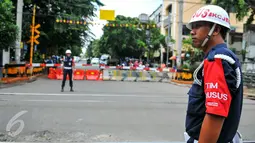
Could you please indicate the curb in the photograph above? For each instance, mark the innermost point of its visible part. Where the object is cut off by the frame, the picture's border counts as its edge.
(182, 82)
(13, 80)
(17, 81)
(249, 94)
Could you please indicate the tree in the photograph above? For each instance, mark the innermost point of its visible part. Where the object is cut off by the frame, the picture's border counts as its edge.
(240, 7)
(93, 49)
(96, 48)
(89, 52)
(125, 39)
(57, 37)
(8, 28)
(196, 55)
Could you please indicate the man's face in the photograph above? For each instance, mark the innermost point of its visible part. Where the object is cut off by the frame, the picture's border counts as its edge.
(199, 32)
(68, 54)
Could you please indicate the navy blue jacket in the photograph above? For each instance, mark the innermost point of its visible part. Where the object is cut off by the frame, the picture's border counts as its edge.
(218, 90)
(68, 62)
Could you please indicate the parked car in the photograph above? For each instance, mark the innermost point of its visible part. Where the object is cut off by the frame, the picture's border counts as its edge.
(95, 61)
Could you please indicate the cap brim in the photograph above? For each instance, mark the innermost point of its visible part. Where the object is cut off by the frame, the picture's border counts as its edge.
(189, 26)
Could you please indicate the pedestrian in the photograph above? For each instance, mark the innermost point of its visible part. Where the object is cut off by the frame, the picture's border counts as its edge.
(68, 66)
(216, 96)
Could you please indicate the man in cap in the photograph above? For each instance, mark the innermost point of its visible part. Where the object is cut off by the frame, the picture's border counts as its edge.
(216, 96)
(68, 65)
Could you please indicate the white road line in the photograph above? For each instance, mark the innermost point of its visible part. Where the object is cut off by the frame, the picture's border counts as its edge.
(109, 142)
(93, 95)
(70, 101)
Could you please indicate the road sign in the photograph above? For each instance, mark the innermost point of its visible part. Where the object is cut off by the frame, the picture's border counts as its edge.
(36, 27)
(107, 15)
(36, 42)
(35, 30)
(36, 37)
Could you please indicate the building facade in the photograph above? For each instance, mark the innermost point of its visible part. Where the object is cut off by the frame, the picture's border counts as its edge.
(156, 15)
(170, 8)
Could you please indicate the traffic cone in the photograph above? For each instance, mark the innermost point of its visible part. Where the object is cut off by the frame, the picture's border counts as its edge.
(101, 76)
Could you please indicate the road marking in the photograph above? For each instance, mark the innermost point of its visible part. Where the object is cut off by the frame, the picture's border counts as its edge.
(68, 101)
(113, 142)
(95, 95)
(126, 142)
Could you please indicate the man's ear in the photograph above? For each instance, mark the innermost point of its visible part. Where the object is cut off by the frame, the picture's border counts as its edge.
(216, 30)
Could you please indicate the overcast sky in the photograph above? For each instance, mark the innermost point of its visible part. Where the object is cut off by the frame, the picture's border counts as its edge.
(131, 8)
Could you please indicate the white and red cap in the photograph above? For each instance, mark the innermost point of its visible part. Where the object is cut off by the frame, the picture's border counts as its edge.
(211, 13)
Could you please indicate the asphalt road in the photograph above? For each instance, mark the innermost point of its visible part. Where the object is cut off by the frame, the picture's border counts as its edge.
(100, 111)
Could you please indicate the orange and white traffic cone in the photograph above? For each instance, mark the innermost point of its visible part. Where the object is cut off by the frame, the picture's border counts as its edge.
(101, 76)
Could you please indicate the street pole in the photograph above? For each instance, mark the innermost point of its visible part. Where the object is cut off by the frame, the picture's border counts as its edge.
(19, 24)
(148, 44)
(32, 37)
(168, 38)
(161, 55)
(180, 24)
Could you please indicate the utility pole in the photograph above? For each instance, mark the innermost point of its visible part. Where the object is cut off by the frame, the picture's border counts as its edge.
(148, 44)
(168, 38)
(179, 50)
(32, 36)
(19, 24)
(161, 54)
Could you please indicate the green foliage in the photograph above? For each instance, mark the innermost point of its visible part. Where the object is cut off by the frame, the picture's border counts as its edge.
(187, 44)
(57, 37)
(240, 7)
(126, 41)
(37, 58)
(76, 50)
(233, 50)
(93, 49)
(89, 52)
(185, 66)
(196, 55)
(8, 28)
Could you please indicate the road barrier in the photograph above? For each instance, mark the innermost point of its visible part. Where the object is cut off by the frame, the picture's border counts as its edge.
(59, 74)
(120, 73)
(52, 73)
(93, 75)
(100, 72)
(135, 75)
(20, 70)
(79, 74)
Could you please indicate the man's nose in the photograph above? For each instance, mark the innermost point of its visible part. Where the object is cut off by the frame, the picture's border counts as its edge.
(192, 32)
